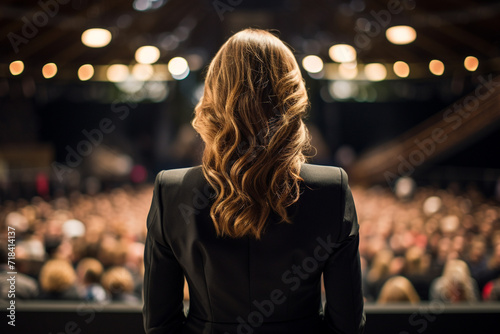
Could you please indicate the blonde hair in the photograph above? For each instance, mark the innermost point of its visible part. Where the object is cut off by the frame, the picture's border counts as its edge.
(250, 118)
(57, 276)
(457, 282)
(117, 279)
(398, 289)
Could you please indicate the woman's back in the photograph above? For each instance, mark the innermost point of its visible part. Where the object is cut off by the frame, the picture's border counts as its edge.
(245, 285)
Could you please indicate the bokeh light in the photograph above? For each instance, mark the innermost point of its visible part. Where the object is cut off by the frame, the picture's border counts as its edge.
(16, 67)
(147, 54)
(96, 37)
(85, 72)
(49, 70)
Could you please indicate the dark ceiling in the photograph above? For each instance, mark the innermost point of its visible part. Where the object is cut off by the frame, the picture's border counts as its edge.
(448, 29)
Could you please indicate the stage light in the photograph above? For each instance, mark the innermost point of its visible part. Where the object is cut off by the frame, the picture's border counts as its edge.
(436, 67)
(85, 72)
(342, 53)
(178, 67)
(16, 67)
(341, 90)
(49, 70)
(375, 72)
(348, 71)
(312, 64)
(96, 37)
(401, 35)
(142, 72)
(147, 54)
(117, 73)
(401, 69)
(471, 63)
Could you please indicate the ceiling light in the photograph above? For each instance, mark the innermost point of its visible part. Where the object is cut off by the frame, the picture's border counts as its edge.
(117, 73)
(401, 35)
(147, 54)
(312, 64)
(16, 67)
(342, 53)
(436, 67)
(49, 70)
(96, 37)
(401, 69)
(85, 72)
(375, 72)
(471, 63)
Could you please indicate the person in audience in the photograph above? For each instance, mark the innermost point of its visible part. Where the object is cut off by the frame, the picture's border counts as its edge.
(455, 285)
(89, 272)
(25, 286)
(119, 284)
(416, 270)
(58, 281)
(398, 289)
(378, 273)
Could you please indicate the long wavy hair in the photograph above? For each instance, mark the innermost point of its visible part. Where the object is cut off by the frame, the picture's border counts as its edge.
(251, 120)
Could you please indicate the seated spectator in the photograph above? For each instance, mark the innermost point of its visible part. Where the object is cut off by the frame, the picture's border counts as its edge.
(398, 289)
(455, 285)
(26, 287)
(379, 273)
(89, 271)
(119, 284)
(416, 270)
(57, 281)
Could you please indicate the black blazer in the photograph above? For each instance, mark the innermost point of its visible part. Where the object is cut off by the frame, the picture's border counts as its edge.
(243, 286)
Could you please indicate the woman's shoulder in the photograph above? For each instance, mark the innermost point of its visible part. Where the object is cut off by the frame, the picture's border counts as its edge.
(178, 175)
(323, 175)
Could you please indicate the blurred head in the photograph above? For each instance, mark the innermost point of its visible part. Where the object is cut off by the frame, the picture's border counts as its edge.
(57, 276)
(477, 249)
(398, 289)
(381, 265)
(416, 262)
(457, 282)
(89, 270)
(117, 280)
(250, 118)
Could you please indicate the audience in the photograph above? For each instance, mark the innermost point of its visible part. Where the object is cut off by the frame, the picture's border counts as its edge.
(119, 284)
(89, 272)
(439, 237)
(398, 289)
(455, 285)
(58, 281)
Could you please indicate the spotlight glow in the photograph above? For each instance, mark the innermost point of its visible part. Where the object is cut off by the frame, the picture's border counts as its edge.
(312, 64)
(49, 70)
(375, 71)
(347, 71)
(401, 69)
(436, 67)
(96, 37)
(401, 35)
(342, 53)
(142, 72)
(85, 72)
(471, 63)
(147, 54)
(178, 67)
(16, 67)
(117, 73)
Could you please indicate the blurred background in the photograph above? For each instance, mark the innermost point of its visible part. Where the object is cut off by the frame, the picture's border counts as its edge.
(96, 97)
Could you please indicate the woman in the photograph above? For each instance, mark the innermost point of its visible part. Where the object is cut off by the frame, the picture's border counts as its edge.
(455, 285)
(398, 289)
(253, 228)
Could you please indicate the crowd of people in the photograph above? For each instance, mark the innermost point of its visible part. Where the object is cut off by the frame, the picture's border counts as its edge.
(432, 244)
